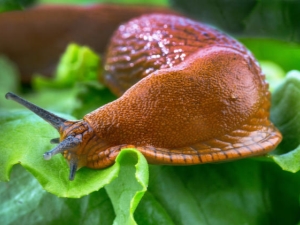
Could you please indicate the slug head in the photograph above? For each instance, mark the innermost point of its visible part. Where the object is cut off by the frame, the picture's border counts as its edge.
(74, 135)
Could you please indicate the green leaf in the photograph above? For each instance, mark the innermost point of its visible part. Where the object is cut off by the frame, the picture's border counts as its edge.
(127, 191)
(286, 116)
(77, 64)
(23, 201)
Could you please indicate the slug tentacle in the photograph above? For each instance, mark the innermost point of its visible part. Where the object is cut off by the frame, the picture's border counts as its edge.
(54, 141)
(67, 144)
(54, 120)
(73, 164)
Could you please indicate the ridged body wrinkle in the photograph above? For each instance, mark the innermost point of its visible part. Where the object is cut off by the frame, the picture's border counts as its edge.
(192, 102)
(153, 42)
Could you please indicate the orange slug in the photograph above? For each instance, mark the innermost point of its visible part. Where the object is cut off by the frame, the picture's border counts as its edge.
(189, 94)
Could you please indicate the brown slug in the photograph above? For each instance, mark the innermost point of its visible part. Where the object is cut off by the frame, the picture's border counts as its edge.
(189, 94)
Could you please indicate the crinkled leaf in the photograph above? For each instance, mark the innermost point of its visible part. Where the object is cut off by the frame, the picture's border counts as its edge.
(286, 116)
(23, 201)
(127, 191)
(77, 64)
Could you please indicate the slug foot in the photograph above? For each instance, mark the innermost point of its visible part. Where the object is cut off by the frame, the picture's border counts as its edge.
(240, 143)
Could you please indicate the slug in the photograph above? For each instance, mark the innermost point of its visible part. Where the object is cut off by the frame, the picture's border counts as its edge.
(189, 94)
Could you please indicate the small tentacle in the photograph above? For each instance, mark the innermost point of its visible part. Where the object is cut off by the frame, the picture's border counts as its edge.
(73, 167)
(69, 143)
(54, 141)
(54, 120)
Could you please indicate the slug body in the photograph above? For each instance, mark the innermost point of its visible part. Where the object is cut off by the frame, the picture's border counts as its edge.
(189, 95)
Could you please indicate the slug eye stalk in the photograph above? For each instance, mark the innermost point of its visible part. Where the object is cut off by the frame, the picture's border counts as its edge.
(54, 141)
(54, 120)
(68, 145)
